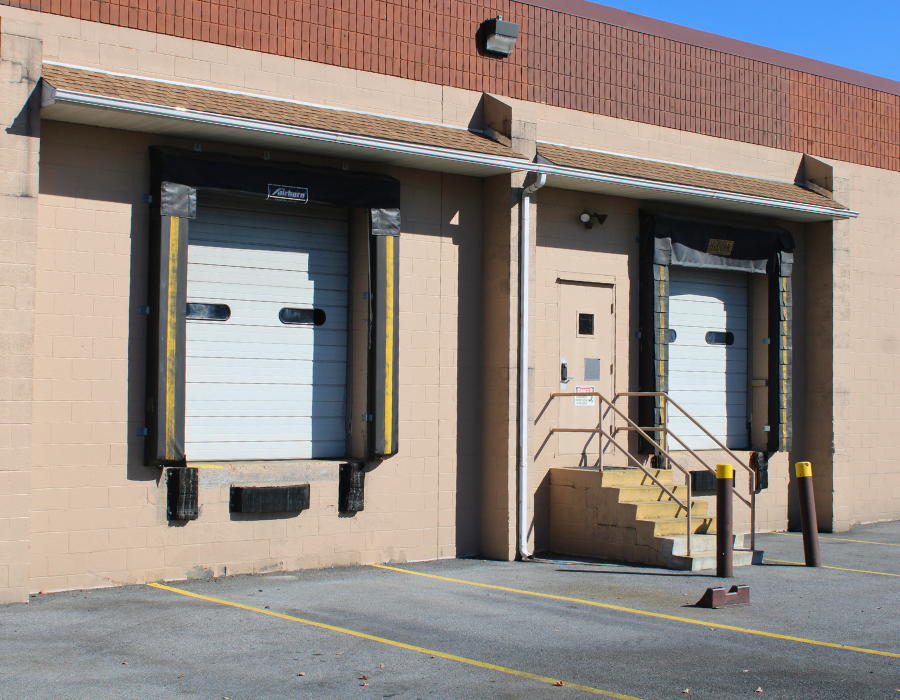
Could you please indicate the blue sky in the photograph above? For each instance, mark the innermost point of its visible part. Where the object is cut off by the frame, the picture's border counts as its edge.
(862, 34)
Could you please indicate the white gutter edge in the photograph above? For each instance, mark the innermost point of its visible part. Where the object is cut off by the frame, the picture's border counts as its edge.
(524, 310)
(256, 95)
(53, 96)
(720, 195)
(78, 99)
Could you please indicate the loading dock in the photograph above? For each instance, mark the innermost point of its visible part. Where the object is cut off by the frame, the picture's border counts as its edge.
(708, 356)
(262, 383)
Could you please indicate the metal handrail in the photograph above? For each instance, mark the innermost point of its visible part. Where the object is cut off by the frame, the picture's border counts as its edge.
(689, 417)
(751, 472)
(687, 449)
(610, 439)
(643, 432)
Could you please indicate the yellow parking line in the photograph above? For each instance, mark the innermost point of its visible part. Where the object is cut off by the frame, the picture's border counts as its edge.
(839, 539)
(836, 568)
(401, 645)
(647, 613)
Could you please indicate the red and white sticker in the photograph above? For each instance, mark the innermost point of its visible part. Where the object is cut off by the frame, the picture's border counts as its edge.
(585, 400)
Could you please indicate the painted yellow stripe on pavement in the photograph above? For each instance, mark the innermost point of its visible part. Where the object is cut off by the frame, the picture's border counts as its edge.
(836, 568)
(839, 539)
(647, 613)
(401, 645)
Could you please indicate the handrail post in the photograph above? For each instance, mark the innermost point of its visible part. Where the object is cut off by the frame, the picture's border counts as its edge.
(689, 513)
(664, 438)
(752, 512)
(751, 503)
(600, 435)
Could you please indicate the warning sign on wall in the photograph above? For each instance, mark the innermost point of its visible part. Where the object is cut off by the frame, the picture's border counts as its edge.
(585, 400)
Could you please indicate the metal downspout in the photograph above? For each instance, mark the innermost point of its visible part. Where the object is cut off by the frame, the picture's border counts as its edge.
(524, 291)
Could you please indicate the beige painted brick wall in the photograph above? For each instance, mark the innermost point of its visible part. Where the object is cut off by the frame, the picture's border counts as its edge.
(98, 515)
(20, 57)
(867, 348)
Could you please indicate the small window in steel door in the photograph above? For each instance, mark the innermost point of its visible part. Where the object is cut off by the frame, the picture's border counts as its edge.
(585, 325)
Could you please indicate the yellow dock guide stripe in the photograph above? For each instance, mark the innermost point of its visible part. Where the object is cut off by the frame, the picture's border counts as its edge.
(401, 645)
(647, 613)
(836, 568)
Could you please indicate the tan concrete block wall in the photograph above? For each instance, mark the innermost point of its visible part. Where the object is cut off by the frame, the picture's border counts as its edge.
(867, 347)
(98, 515)
(565, 249)
(500, 362)
(20, 68)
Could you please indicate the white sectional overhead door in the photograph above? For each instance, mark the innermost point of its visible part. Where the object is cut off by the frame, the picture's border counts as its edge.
(270, 381)
(708, 359)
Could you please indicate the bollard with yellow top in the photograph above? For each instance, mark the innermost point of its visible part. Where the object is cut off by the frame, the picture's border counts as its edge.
(724, 521)
(808, 514)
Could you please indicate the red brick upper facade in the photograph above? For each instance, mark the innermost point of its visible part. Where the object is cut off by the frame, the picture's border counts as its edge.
(560, 59)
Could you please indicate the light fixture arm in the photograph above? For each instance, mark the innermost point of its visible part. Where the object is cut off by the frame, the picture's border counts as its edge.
(587, 218)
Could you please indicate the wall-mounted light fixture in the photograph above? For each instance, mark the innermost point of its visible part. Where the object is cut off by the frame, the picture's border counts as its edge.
(499, 36)
(587, 218)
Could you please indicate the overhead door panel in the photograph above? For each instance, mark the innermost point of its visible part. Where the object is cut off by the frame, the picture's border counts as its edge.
(708, 357)
(265, 383)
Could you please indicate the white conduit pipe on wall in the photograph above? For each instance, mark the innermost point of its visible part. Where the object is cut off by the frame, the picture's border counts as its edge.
(524, 291)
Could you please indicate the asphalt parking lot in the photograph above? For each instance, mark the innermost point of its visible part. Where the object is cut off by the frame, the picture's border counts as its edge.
(553, 628)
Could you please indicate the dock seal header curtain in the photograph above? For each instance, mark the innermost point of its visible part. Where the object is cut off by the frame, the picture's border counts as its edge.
(672, 240)
(176, 175)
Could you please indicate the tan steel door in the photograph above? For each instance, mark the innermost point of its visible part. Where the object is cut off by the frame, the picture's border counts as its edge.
(586, 349)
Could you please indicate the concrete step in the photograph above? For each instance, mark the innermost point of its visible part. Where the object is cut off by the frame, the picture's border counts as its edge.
(647, 510)
(676, 545)
(663, 527)
(634, 477)
(702, 561)
(643, 494)
(627, 517)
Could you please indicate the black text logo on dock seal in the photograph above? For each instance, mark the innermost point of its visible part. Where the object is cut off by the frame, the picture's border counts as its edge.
(719, 247)
(291, 194)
